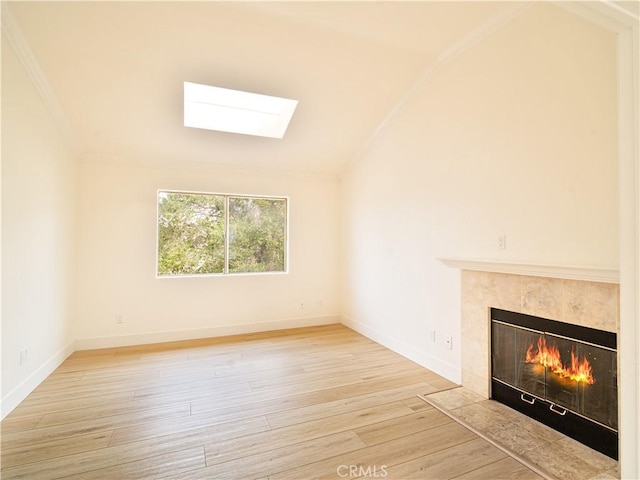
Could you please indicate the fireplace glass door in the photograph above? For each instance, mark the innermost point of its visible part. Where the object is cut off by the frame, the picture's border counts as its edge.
(569, 374)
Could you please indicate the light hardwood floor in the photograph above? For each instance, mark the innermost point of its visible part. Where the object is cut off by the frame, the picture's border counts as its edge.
(319, 402)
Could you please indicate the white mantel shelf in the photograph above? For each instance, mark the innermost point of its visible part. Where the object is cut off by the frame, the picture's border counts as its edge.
(589, 274)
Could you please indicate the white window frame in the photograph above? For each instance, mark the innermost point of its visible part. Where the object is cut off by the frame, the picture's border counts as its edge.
(225, 271)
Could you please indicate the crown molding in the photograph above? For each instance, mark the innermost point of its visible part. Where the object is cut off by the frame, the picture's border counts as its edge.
(604, 13)
(567, 272)
(13, 34)
(483, 31)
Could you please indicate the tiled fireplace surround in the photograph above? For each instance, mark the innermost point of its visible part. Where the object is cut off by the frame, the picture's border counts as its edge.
(582, 296)
(587, 303)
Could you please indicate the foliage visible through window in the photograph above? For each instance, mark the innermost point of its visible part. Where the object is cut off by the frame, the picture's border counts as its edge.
(201, 234)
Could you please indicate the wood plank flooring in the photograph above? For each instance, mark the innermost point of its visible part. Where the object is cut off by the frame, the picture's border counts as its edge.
(318, 402)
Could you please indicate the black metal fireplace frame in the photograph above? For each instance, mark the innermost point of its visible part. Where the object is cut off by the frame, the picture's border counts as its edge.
(588, 432)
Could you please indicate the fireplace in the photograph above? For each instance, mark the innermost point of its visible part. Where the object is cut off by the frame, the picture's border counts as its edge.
(560, 374)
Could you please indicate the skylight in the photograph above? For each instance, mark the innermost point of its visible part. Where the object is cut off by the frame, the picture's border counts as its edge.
(215, 108)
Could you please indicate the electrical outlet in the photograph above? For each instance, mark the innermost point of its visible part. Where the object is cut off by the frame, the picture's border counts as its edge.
(24, 356)
(502, 242)
(432, 335)
(448, 341)
(119, 318)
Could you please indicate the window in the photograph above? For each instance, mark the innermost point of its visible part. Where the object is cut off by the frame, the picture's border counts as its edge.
(208, 233)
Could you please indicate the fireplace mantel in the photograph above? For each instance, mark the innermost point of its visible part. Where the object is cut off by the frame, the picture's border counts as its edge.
(589, 274)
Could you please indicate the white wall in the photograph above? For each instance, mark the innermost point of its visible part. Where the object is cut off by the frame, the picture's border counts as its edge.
(38, 236)
(117, 259)
(515, 136)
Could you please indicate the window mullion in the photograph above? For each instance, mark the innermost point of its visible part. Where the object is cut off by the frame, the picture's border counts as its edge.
(226, 235)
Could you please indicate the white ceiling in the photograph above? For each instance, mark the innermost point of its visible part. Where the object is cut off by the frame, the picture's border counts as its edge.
(117, 70)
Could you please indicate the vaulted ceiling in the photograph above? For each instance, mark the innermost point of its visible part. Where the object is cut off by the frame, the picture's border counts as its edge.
(117, 71)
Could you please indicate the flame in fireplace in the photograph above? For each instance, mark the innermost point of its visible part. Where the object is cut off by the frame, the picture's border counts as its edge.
(549, 356)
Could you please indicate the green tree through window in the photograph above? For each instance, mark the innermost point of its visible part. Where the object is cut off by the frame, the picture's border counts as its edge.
(201, 234)
(256, 234)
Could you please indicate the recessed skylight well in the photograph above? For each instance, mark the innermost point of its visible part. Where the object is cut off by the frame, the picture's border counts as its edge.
(225, 110)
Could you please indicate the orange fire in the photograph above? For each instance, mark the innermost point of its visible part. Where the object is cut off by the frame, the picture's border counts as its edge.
(549, 356)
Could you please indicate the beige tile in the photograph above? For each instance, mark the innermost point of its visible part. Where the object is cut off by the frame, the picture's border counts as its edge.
(478, 328)
(542, 297)
(592, 304)
(607, 475)
(586, 454)
(480, 417)
(477, 292)
(480, 291)
(476, 356)
(610, 474)
(502, 290)
(514, 437)
(475, 333)
(546, 433)
(455, 398)
(476, 383)
(569, 459)
(502, 410)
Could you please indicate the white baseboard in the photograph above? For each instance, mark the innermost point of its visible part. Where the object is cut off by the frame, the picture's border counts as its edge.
(422, 358)
(222, 331)
(18, 394)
